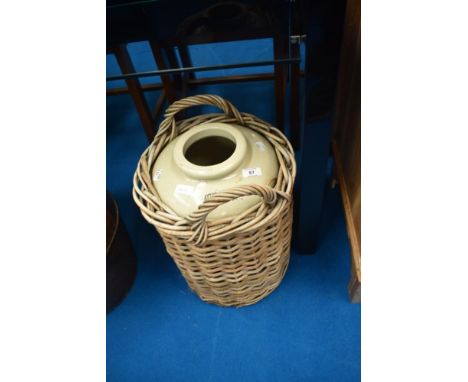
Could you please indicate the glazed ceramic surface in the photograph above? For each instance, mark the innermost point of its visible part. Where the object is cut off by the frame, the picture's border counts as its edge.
(210, 158)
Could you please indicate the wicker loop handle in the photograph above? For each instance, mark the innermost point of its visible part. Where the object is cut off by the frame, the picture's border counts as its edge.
(198, 218)
(205, 99)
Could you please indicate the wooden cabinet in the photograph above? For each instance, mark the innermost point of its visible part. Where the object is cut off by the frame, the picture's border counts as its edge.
(347, 137)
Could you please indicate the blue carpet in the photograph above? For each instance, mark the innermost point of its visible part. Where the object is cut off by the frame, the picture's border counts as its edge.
(306, 330)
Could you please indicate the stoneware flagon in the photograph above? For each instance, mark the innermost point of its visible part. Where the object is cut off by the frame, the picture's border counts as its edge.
(210, 158)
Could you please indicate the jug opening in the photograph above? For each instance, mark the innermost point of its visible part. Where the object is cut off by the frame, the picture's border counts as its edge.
(209, 151)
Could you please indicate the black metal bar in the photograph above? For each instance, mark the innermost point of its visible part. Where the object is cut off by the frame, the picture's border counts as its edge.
(152, 73)
(202, 81)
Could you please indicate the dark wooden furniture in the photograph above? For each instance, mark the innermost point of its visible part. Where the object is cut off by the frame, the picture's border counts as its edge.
(124, 60)
(322, 22)
(171, 26)
(347, 138)
(120, 259)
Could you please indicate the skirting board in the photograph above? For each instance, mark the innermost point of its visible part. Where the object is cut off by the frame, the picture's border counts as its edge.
(354, 286)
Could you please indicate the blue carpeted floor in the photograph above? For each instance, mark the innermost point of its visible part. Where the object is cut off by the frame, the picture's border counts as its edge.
(306, 330)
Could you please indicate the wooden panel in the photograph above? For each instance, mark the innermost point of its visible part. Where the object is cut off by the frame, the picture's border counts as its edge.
(352, 211)
(347, 137)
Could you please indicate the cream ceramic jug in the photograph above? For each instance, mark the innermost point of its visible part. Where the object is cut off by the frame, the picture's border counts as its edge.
(210, 158)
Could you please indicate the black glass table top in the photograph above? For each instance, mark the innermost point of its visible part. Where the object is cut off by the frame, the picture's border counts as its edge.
(184, 22)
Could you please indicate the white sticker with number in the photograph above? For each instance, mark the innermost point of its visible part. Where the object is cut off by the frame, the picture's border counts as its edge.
(248, 172)
(157, 175)
(183, 189)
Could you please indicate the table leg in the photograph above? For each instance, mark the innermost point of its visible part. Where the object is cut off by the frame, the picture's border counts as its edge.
(162, 61)
(312, 179)
(320, 68)
(174, 63)
(279, 49)
(186, 60)
(295, 103)
(134, 88)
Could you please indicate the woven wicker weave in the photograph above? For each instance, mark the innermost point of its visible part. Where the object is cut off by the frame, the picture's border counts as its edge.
(234, 261)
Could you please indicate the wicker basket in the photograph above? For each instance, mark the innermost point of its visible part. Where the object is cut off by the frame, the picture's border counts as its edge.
(234, 261)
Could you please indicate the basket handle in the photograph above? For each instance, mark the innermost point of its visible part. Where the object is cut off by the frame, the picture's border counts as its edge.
(203, 99)
(198, 217)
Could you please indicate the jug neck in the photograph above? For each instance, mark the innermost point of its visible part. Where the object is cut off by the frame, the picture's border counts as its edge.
(210, 151)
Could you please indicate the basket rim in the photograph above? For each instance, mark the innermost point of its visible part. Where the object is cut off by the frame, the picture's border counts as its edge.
(195, 229)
